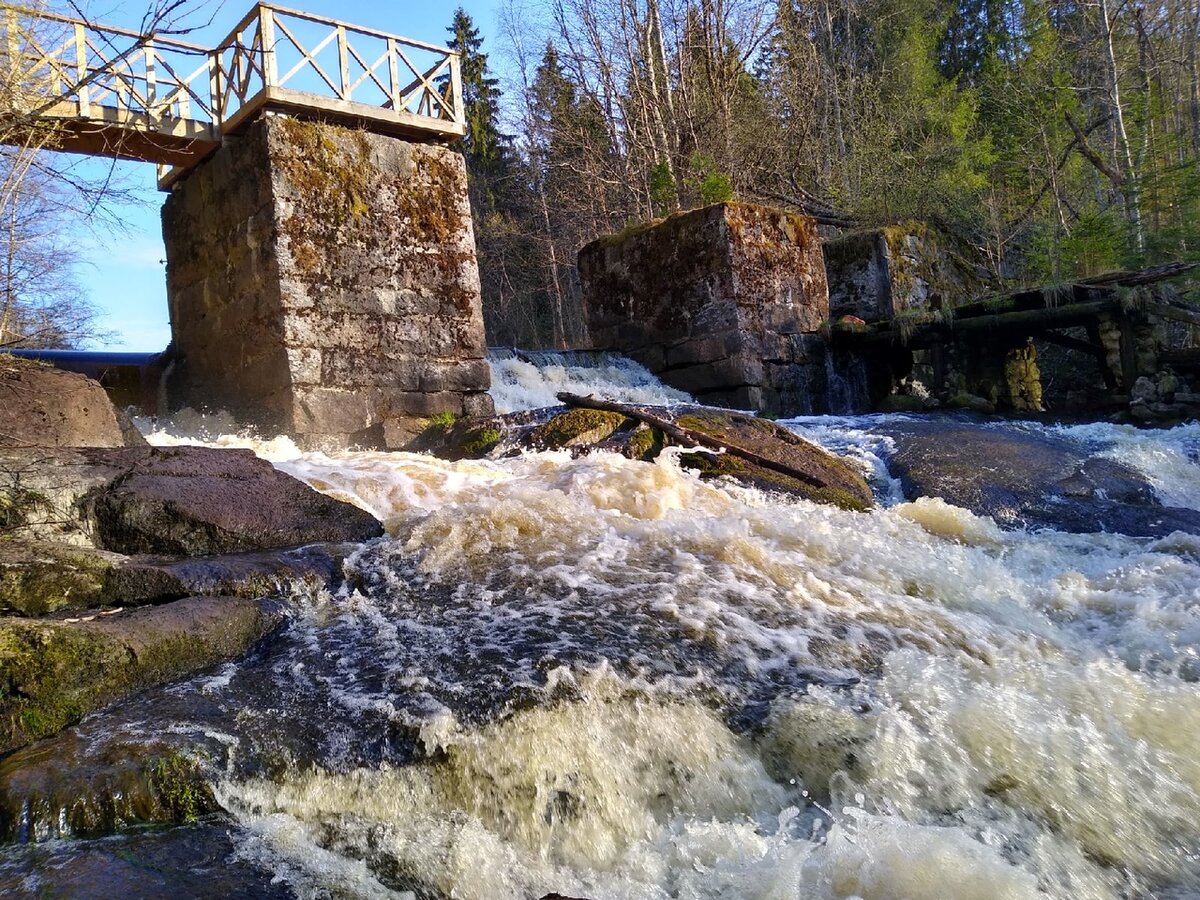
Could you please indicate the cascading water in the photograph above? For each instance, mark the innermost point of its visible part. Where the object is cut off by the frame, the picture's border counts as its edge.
(610, 679)
(529, 379)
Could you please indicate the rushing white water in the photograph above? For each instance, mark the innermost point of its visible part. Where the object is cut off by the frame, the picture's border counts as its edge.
(624, 682)
(531, 379)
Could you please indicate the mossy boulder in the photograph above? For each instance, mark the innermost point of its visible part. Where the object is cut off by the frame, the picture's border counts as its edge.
(579, 428)
(176, 501)
(54, 672)
(794, 465)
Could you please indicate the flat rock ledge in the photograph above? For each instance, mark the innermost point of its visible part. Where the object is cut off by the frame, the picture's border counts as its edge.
(172, 501)
(55, 672)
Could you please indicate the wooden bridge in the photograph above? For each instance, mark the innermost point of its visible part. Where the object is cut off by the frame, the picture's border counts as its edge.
(94, 89)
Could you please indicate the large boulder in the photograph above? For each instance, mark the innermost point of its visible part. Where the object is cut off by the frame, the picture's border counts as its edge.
(41, 406)
(54, 672)
(1027, 479)
(178, 501)
(746, 448)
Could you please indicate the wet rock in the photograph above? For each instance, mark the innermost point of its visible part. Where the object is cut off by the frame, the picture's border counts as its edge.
(40, 577)
(744, 447)
(41, 406)
(579, 428)
(1143, 391)
(57, 788)
(54, 672)
(902, 403)
(973, 402)
(1022, 479)
(178, 501)
(149, 580)
(195, 861)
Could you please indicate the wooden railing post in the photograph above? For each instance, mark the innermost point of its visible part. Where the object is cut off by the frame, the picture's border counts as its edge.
(460, 111)
(343, 63)
(266, 37)
(393, 75)
(81, 70)
(217, 102)
(150, 80)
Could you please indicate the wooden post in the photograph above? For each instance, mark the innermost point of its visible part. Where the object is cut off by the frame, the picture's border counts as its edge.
(214, 87)
(460, 112)
(1110, 377)
(150, 81)
(266, 39)
(343, 62)
(81, 70)
(393, 75)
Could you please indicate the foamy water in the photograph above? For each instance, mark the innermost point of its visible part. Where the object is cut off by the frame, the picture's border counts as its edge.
(624, 682)
(531, 379)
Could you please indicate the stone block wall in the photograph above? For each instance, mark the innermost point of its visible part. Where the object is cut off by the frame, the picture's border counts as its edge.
(323, 281)
(710, 299)
(876, 274)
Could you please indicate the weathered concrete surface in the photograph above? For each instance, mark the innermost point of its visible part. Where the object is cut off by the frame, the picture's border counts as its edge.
(41, 406)
(876, 274)
(179, 501)
(52, 673)
(323, 281)
(706, 299)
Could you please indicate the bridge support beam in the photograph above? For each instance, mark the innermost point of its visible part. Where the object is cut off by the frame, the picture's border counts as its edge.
(322, 281)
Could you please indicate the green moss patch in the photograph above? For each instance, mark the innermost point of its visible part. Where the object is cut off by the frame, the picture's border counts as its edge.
(578, 427)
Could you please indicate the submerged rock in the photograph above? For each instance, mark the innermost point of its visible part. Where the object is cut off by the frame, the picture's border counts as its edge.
(54, 672)
(41, 406)
(1023, 479)
(179, 501)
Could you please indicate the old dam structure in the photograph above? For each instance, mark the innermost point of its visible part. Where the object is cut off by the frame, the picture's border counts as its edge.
(321, 271)
(322, 278)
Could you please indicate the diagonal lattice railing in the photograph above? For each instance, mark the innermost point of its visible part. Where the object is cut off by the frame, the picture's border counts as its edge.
(179, 99)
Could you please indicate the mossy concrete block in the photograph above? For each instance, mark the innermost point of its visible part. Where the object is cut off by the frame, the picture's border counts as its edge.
(346, 303)
(54, 672)
(876, 274)
(703, 297)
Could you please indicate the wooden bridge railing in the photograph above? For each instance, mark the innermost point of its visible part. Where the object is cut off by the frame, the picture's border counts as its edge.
(119, 93)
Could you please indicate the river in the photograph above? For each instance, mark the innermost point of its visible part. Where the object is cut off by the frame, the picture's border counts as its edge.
(608, 679)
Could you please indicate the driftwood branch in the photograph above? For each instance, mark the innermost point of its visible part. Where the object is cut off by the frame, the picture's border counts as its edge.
(689, 438)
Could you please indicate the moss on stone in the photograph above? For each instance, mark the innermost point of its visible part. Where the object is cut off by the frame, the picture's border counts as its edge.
(39, 578)
(480, 440)
(645, 443)
(576, 427)
(178, 788)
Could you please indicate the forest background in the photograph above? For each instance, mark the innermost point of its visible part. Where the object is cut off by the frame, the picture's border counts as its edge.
(1052, 139)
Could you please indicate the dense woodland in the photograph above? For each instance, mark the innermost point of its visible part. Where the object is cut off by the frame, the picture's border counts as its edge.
(1057, 139)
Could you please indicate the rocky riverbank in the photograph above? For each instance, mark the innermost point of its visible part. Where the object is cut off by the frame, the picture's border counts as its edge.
(123, 566)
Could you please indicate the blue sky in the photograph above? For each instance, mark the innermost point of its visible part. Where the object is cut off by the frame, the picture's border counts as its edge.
(123, 272)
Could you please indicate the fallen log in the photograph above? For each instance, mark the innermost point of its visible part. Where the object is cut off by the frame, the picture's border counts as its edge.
(689, 438)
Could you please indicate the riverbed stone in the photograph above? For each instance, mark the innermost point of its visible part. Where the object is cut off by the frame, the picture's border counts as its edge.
(41, 406)
(1029, 480)
(54, 672)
